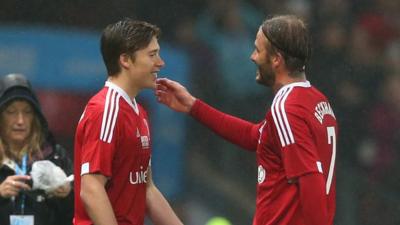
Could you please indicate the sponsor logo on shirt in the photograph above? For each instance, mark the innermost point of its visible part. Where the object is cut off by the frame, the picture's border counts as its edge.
(138, 177)
(145, 140)
(261, 174)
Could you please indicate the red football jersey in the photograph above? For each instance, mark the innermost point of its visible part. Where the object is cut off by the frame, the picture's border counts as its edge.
(113, 139)
(297, 137)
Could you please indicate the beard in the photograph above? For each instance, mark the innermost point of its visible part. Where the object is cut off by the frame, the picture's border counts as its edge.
(265, 75)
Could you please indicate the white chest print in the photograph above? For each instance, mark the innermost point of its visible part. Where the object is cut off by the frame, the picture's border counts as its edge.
(138, 177)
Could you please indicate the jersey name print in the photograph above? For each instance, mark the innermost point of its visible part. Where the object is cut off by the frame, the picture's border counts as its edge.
(322, 109)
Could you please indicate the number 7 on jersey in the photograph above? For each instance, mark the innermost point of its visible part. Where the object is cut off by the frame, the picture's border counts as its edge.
(331, 141)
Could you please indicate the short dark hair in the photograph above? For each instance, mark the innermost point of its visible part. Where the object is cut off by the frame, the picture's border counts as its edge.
(288, 35)
(125, 36)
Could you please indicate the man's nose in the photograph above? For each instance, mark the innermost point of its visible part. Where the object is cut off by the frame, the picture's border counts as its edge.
(252, 57)
(160, 62)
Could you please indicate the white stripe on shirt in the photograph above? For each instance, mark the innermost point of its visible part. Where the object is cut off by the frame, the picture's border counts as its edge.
(289, 130)
(110, 114)
(114, 120)
(275, 119)
(105, 113)
(280, 119)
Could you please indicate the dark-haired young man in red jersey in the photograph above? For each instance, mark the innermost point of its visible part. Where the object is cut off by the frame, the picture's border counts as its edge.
(295, 143)
(113, 182)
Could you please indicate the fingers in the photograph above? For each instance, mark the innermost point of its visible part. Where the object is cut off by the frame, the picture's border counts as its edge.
(13, 185)
(166, 84)
(62, 191)
(162, 84)
(19, 177)
(19, 181)
(161, 87)
(161, 96)
(162, 81)
(21, 185)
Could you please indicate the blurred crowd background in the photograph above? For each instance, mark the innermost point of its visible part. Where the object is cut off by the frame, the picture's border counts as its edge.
(206, 45)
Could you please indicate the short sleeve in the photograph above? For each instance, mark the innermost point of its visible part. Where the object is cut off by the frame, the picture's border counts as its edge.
(98, 153)
(299, 153)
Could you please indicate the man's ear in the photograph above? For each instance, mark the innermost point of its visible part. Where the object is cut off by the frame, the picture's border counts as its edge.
(277, 59)
(125, 60)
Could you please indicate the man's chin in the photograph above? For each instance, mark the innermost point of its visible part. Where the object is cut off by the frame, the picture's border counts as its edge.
(260, 80)
(152, 86)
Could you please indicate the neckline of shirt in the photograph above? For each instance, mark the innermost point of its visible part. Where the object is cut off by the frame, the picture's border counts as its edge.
(305, 84)
(119, 90)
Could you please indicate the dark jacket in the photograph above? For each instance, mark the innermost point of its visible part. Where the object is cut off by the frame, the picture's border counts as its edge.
(46, 210)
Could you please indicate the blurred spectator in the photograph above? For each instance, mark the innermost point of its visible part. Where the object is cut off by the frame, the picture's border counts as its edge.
(384, 127)
(25, 139)
(226, 26)
(379, 156)
(204, 78)
(392, 56)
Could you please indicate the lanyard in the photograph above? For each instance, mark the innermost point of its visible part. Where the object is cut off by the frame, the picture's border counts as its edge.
(22, 171)
(19, 170)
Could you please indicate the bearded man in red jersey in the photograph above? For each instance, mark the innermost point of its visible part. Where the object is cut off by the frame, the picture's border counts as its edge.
(295, 143)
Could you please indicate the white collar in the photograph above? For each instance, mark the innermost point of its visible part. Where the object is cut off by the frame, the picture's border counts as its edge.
(119, 90)
(305, 84)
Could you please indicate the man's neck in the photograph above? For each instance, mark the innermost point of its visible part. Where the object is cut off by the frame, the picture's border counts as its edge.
(285, 79)
(123, 81)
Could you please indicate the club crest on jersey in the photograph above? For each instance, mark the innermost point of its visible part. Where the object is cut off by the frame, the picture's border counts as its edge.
(261, 174)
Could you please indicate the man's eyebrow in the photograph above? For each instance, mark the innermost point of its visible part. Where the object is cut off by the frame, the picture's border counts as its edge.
(154, 50)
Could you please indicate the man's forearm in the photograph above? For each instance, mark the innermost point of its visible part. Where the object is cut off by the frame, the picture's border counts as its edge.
(96, 202)
(159, 211)
(238, 131)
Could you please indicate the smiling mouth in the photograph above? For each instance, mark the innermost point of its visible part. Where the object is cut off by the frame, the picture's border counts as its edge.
(155, 74)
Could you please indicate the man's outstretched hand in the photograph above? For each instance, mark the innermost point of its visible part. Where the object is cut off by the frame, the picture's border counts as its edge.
(174, 95)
